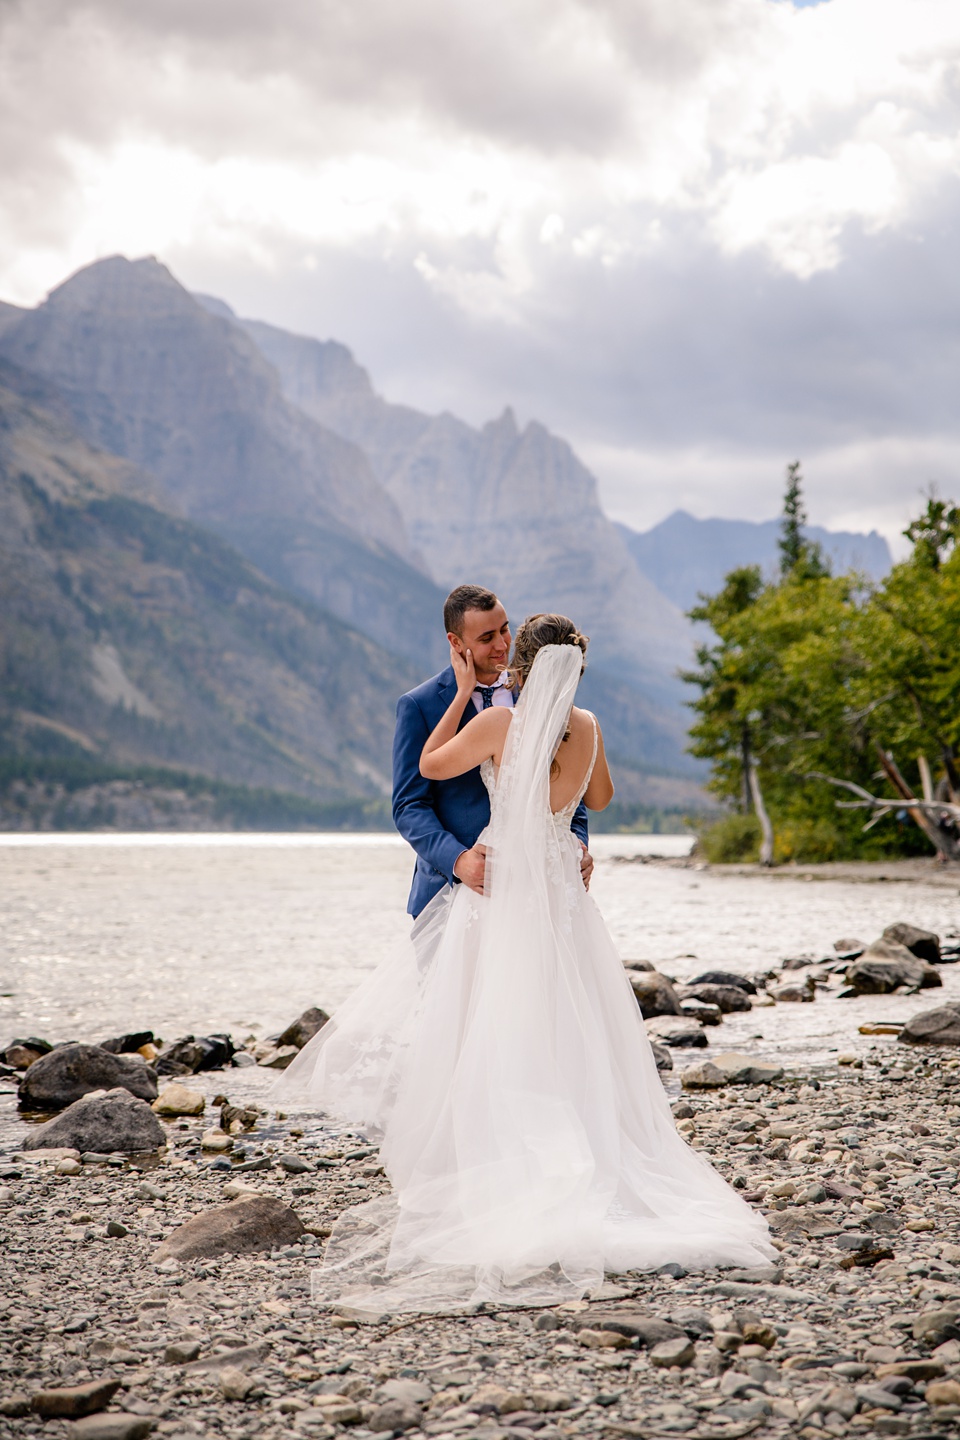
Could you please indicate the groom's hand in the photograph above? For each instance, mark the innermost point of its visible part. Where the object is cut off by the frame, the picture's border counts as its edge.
(586, 866)
(470, 867)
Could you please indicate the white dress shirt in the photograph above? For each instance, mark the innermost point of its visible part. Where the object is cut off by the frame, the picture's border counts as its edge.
(502, 694)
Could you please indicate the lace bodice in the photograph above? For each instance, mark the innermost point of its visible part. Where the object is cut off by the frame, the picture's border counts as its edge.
(489, 774)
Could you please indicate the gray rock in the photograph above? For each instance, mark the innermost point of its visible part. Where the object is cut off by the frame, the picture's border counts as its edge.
(394, 1415)
(294, 1164)
(756, 1275)
(700, 1011)
(234, 1383)
(192, 1054)
(733, 1068)
(725, 977)
(794, 992)
(20, 1054)
(849, 948)
(304, 1027)
(242, 1356)
(117, 1425)
(256, 1223)
(676, 1031)
(655, 994)
(114, 1122)
(922, 943)
(933, 1027)
(693, 1320)
(128, 1044)
(727, 998)
(705, 1076)
(72, 1401)
(181, 1352)
(71, 1071)
(875, 1397)
(409, 1392)
(662, 1056)
(649, 1329)
(934, 1327)
(886, 966)
(671, 1354)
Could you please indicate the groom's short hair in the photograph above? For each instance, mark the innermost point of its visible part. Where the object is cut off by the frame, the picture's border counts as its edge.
(462, 599)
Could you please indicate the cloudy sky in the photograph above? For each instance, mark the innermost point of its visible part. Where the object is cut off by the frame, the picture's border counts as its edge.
(699, 238)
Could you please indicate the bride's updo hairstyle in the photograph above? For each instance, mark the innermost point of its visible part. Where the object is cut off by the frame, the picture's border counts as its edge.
(535, 632)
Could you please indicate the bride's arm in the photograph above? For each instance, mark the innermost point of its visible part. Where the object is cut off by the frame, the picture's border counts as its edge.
(448, 753)
(599, 792)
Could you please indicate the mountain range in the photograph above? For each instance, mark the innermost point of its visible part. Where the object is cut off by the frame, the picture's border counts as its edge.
(686, 557)
(223, 551)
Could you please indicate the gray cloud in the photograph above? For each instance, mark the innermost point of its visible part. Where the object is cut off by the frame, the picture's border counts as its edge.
(634, 281)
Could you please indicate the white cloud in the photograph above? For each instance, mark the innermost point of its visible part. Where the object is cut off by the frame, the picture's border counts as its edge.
(666, 227)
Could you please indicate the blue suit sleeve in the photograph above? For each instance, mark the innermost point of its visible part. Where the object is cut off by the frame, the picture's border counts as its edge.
(579, 824)
(414, 813)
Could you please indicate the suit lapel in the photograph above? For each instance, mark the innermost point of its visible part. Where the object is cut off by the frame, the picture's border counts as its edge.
(446, 689)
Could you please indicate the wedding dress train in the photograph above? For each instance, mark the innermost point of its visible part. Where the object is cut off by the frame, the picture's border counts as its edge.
(501, 1059)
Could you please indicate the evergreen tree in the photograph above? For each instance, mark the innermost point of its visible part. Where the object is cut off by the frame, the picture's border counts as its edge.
(797, 553)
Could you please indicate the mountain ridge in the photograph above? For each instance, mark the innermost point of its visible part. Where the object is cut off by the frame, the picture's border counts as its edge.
(149, 374)
(686, 556)
(133, 636)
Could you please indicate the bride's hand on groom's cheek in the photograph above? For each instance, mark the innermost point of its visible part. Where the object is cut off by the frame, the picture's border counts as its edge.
(586, 867)
(463, 669)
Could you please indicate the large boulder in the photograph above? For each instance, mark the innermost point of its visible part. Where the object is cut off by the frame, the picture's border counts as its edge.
(655, 994)
(303, 1028)
(725, 977)
(677, 1031)
(886, 966)
(922, 943)
(258, 1222)
(195, 1053)
(727, 998)
(933, 1027)
(71, 1071)
(102, 1123)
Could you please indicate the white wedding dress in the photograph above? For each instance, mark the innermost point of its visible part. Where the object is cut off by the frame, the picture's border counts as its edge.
(501, 1059)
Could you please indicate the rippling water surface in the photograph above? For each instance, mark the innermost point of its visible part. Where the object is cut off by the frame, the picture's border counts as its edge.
(102, 934)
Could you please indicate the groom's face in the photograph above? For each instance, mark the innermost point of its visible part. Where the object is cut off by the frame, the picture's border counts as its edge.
(487, 634)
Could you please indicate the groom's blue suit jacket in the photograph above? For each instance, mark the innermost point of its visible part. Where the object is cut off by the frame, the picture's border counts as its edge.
(439, 818)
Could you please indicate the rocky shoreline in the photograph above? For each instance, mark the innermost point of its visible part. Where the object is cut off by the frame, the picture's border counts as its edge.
(168, 1291)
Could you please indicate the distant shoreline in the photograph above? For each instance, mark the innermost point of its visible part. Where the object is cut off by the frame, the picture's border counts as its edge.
(868, 872)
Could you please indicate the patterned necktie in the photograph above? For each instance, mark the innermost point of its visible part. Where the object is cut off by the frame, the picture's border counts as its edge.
(487, 692)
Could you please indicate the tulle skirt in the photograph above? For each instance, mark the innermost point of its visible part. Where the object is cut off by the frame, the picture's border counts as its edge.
(507, 1074)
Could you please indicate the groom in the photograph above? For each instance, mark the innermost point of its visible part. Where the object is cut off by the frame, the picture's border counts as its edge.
(441, 819)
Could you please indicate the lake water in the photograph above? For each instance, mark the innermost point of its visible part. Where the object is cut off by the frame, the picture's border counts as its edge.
(101, 934)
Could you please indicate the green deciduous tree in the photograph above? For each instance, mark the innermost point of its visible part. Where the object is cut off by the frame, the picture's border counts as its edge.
(811, 678)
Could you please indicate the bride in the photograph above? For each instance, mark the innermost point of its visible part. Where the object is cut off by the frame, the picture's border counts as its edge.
(500, 1056)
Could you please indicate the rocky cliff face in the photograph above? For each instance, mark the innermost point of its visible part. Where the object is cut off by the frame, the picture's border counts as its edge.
(515, 510)
(149, 374)
(132, 636)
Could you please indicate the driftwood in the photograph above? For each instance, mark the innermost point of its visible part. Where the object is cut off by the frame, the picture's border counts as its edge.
(938, 819)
